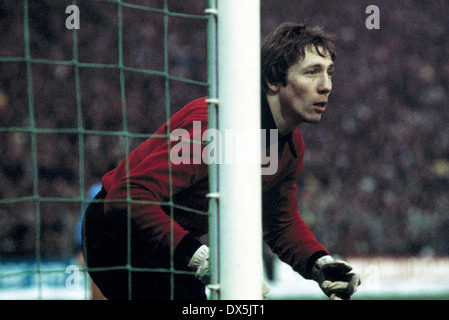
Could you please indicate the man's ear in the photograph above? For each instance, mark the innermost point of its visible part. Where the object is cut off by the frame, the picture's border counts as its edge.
(273, 87)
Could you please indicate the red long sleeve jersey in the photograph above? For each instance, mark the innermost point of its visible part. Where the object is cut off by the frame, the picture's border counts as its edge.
(150, 187)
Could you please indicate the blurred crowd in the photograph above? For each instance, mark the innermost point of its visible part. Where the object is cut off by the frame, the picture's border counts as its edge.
(376, 172)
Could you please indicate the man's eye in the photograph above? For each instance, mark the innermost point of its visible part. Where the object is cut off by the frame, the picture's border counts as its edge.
(311, 72)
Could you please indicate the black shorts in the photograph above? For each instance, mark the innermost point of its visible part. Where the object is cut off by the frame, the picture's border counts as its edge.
(125, 267)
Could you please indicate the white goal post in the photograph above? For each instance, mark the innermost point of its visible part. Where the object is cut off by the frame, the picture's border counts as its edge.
(239, 182)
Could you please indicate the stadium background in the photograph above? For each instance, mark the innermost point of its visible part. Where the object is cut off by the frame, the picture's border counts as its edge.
(376, 174)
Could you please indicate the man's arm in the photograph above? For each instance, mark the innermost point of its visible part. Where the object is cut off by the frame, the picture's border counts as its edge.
(287, 234)
(293, 241)
(151, 179)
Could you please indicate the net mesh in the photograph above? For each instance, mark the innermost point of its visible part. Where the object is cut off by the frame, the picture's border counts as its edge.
(74, 102)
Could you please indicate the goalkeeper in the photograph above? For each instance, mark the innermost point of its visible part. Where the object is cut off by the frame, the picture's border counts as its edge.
(297, 67)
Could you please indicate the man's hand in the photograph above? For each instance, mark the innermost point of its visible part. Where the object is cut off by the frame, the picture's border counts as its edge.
(200, 263)
(335, 279)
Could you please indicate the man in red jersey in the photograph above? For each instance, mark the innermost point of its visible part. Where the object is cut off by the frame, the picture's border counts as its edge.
(151, 211)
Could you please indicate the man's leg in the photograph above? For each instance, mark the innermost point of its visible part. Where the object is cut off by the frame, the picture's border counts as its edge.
(105, 245)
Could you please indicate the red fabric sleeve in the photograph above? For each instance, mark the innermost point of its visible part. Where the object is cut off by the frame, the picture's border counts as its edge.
(150, 185)
(284, 230)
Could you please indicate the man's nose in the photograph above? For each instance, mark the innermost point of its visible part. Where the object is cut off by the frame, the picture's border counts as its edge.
(325, 85)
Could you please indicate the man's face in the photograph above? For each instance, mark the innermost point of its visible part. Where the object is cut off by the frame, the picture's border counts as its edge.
(305, 96)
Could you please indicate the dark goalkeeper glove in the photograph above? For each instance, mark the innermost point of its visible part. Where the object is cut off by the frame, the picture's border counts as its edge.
(335, 278)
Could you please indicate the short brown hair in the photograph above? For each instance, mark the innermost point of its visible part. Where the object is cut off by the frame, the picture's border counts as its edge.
(284, 46)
